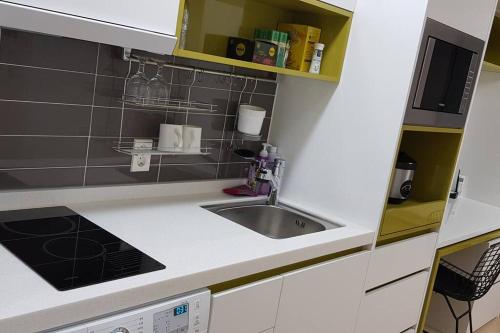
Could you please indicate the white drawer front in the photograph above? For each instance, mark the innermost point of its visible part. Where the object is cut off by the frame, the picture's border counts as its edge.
(250, 308)
(393, 308)
(394, 261)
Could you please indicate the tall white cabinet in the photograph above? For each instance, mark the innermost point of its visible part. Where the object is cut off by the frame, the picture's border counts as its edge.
(320, 298)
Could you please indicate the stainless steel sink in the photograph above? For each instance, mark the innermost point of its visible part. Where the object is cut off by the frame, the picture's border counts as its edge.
(272, 221)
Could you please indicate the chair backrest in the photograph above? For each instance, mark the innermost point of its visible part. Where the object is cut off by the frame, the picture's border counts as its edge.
(486, 271)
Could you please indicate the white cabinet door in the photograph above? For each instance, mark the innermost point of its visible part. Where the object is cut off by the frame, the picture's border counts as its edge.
(345, 4)
(148, 25)
(393, 308)
(154, 15)
(247, 309)
(323, 298)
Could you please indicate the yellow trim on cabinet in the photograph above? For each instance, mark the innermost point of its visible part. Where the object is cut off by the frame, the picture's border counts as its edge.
(415, 128)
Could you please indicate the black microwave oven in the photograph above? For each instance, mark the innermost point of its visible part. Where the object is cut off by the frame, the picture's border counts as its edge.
(447, 67)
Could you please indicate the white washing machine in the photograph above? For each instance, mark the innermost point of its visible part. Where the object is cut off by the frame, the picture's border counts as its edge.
(188, 313)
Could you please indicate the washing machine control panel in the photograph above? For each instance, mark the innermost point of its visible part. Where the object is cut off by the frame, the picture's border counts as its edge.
(185, 314)
(174, 320)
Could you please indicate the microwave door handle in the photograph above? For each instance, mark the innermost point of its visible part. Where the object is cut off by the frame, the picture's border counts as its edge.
(424, 73)
(468, 83)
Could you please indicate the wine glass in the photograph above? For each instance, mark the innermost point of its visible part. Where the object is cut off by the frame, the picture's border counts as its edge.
(136, 89)
(158, 88)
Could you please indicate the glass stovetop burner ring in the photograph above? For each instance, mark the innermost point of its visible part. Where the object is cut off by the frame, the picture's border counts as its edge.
(74, 248)
(63, 226)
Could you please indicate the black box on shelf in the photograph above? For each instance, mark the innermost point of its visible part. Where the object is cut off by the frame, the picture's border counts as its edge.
(240, 48)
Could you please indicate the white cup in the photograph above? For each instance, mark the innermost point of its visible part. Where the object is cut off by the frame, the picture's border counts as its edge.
(170, 138)
(191, 138)
(250, 119)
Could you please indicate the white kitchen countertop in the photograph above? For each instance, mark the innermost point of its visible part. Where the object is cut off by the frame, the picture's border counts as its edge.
(466, 219)
(197, 247)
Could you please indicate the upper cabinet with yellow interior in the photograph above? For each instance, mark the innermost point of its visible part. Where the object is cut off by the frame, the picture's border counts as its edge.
(212, 22)
(492, 56)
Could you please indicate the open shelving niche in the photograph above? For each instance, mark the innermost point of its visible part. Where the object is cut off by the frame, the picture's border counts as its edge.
(491, 61)
(126, 146)
(211, 22)
(435, 151)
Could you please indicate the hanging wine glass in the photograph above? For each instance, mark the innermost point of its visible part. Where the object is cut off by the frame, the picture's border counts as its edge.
(158, 88)
(136, 89)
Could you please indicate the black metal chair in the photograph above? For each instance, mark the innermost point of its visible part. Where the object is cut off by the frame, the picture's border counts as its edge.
(454, 282)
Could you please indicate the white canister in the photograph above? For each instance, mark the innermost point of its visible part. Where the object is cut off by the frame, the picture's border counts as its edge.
(170, 138)
(191, 139)
(250, 119)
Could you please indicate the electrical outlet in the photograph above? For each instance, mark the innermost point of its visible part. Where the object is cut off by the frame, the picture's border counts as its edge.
(141, 162)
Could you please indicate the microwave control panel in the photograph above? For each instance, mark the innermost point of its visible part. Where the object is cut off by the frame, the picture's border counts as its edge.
(185, 314)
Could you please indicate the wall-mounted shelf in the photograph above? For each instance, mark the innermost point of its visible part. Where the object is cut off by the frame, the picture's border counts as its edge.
(170, 104)
(211, 22)
(251, 65)
(435, 149)
(156, 152)
(236, 135)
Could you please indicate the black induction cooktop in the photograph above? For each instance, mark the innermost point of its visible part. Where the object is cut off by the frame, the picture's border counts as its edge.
(69, 251)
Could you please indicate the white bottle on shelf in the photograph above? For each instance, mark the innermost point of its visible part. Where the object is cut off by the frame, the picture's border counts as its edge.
(316, 59)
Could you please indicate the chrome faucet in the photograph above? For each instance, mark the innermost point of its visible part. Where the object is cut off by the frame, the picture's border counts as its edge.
(275, 179)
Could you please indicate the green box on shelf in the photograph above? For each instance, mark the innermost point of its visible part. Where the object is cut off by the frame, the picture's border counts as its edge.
(267, 35)
(281, 57)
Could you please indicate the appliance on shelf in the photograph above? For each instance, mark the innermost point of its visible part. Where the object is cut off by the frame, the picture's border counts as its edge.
(186, 313)
(402, 179)
(67, 250)
(447, 68)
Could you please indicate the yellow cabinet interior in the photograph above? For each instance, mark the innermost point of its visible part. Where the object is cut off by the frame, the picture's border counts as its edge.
(211, 22)
(435, 150)
(492, 55)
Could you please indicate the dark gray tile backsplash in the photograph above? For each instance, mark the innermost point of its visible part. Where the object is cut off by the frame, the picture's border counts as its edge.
(28, 118)
(45, 85)
(42, 151)
(28, 49)
(61, 116)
